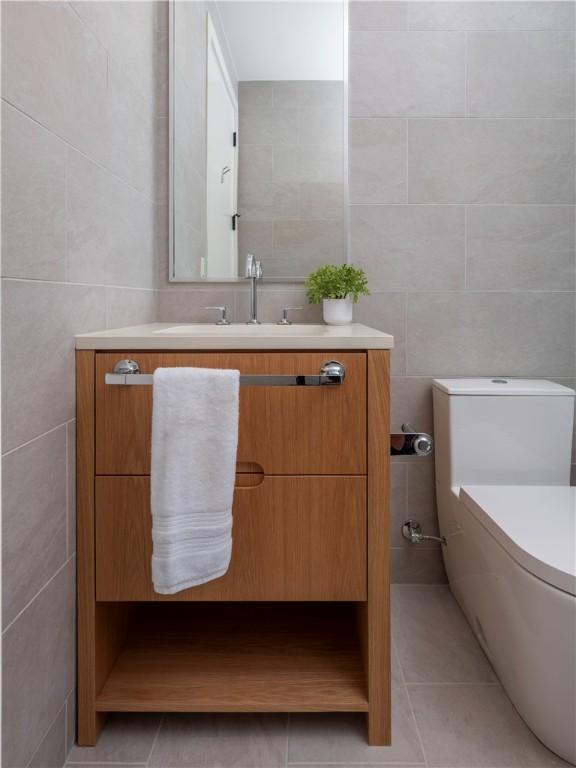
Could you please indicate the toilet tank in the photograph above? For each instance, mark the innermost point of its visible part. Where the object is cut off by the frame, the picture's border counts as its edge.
(502, 432)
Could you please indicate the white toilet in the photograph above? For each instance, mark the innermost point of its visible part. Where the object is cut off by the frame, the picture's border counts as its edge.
(508, 514)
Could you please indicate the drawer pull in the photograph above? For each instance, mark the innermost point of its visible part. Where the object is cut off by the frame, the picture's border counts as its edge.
(332, 373)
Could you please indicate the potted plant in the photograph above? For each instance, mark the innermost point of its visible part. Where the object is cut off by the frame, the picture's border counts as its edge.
(337, 287)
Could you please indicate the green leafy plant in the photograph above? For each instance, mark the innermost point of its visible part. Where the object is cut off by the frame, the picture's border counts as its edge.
(336, 282)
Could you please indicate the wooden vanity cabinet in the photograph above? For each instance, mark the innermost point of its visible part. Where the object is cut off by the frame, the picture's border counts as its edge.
(300, 622)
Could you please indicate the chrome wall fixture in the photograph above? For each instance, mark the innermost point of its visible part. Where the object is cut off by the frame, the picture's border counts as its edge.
(409, 442)
(412, 532)
(127, 372)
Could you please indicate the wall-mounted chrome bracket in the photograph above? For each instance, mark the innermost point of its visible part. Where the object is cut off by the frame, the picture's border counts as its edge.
(412, 532)
(409, 442)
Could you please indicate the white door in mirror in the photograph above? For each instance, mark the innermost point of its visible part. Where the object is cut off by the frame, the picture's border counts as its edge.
(337, 311)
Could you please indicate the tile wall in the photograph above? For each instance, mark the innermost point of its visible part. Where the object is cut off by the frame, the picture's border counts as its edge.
(291, 169)
(84, 126)
(462, 163)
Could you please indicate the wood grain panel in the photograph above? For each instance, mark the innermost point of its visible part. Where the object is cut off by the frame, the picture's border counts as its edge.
(286, 430)
(101, 628)
(374, 615)
(294, 538)
(239, 658)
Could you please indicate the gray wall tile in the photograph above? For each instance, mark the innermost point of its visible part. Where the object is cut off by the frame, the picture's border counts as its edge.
(70, 721)
(321, 200)
(291, 175)
(320, 125)
(262, 125)
(404, 247)
(305, 245)
(415, 565)
(421, 499)
(130, 306)
(42, 43)
(33, 190)
(308, 163)
(134, 36)
(491, 14)
(411, 402)
(483, 334)
(37, 652)
(311, 93)
(377, 160)
(377, 15)
(398, 73)
(271, 303)
(40, 320)
(85, 159)
(34, 519)
(521, 247)
(524, 74)
(491, 161)
(257, 94)
(111, 236)
(386, 312)
(188, 306)
(52, 751)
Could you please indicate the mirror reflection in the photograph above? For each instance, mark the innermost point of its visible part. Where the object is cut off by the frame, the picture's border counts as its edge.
(257, 138)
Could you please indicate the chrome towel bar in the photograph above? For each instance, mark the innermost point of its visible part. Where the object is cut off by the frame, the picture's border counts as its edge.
(127, 372)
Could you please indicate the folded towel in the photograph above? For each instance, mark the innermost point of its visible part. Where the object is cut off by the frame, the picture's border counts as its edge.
(194, 440)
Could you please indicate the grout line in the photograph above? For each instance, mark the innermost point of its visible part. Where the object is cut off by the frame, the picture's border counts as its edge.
(156, 735)
(71, 146)
(37, 437)
(32, 599)
(466, 89)
(67, 441)
(288, 724)
(567, 118)
(456, 203)
(401, 668)
(47, 731)
(407, 159)
(465, 247)
(82, 285)
(477, 682)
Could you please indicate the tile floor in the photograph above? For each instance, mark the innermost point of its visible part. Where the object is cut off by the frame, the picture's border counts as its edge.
(448, 712)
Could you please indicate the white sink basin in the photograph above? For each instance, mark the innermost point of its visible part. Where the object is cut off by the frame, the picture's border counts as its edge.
(241, 329)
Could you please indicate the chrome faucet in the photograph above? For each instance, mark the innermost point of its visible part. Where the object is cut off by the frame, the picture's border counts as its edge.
(253, 273)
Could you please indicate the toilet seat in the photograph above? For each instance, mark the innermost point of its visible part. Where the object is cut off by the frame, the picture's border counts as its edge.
(536, 525)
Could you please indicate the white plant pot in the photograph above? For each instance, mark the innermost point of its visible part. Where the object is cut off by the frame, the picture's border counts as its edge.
(337, 311)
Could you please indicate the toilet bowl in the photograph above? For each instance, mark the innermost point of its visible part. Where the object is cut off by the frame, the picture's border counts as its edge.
(509, 518)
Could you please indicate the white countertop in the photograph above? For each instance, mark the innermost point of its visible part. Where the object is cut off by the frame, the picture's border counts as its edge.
(191, 336)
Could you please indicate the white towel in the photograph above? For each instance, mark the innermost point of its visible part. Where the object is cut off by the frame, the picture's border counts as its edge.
(194, 440)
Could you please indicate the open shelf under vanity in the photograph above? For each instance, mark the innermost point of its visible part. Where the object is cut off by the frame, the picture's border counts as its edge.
(237, 657)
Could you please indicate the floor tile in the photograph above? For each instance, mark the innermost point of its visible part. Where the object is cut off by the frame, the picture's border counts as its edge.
(341, 738)
(125, 739)
(433, 639)
(221, 741)
(475, 726)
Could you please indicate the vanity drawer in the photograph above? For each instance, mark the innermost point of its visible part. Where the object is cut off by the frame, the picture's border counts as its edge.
(294, 538)
(285, 430)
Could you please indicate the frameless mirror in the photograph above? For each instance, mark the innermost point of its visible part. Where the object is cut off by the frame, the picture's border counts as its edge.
(257, 138)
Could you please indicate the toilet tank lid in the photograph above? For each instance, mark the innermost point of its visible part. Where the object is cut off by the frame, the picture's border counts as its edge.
(502, 386)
